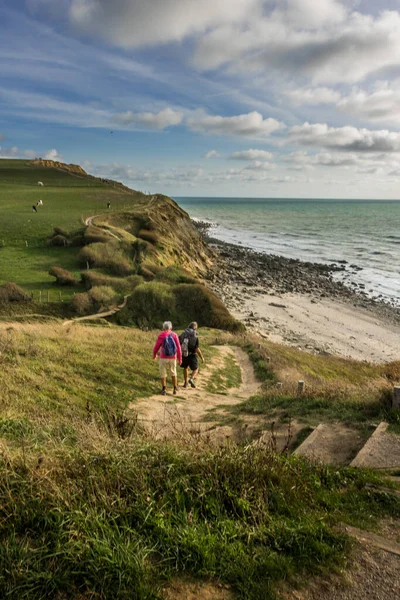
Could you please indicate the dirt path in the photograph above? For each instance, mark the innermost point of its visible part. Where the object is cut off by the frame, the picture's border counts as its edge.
(198, 411)
(101, 315)
(89, 221)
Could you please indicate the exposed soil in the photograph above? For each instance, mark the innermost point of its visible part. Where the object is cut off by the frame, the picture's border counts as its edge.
(371, 574)
(197, 412)
(185, 589)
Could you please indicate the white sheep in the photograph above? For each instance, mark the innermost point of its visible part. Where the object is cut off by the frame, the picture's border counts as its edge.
(40, 183)
(39, 203)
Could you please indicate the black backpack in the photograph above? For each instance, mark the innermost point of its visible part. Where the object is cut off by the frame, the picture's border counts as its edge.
(188, 340)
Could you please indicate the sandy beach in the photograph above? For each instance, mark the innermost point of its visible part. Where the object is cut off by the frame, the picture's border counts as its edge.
(302, 304)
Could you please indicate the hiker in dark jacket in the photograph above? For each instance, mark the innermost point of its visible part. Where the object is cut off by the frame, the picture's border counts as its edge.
(168, 346)
(190, 351)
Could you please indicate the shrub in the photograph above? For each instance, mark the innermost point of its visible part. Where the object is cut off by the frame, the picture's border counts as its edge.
(59, 240)
(11, 292)
(102, 295)
(194, 301)
(149, 305)
(60, 231)
(145, 272)
(174, 274)
(62, 276)
(121, 285)
(148, 236)
(94, 235)
(82, 304)
(110, 255)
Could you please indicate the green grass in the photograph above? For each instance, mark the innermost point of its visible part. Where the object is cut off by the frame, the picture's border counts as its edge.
(117, 520)
(67, 201)
(336, 389)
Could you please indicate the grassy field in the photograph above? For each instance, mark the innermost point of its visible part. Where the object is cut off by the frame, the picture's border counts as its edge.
(68, 200)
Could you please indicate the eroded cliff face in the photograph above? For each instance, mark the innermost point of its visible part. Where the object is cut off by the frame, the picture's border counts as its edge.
(171, 235)
(55, 164)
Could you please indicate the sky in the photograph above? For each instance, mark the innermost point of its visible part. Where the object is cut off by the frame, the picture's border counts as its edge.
(244, 98)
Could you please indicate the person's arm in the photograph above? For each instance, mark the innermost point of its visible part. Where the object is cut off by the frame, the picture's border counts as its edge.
(157, 346)
(199, 352)
(178, 349)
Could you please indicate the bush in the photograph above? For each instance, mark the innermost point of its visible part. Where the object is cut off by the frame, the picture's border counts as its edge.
(196, 302)
(145, 272)
(121, 285)
(94, 235)
(150, 305)
(62, 276)
(11, 292)
(60, 231)
(148, 236)
(110, 255)
(82, 304)
(102, 296)
(59, 240)
(175, 275)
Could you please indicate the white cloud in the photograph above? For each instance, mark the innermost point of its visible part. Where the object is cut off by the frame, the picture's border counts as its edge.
(161, 120)
(149, 22)
(212, 154)
(53, 155)
(310, 14)
(251, 154)
(313, 96)
(345, 138)
(324, 49)
(251, 124)
(362, 162)
(381, 105)
(258, 165)
(15, 152)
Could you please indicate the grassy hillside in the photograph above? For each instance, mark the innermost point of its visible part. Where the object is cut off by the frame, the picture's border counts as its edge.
(68, 200)
(145, 231)
(92, 508)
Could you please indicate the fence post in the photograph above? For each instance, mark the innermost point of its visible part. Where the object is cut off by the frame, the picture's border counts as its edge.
(396, 397)
(40, 295)
(87, 265)
(59, 295)
(300, 387)
(48, 295)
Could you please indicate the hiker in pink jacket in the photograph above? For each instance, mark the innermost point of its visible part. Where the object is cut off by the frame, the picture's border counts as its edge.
(169, 347)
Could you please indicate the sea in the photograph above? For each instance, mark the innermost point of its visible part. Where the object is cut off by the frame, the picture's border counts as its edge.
(364, 233)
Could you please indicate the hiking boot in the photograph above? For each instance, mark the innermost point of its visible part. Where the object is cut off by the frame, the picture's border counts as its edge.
(185, 384)
(163, 392)
(193, 385)
(175, 391)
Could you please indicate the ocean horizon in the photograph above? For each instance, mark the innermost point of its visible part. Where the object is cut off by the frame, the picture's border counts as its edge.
(364, 233)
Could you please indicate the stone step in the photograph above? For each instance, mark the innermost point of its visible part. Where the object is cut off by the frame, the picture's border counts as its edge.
(332, 443)
(381, 451)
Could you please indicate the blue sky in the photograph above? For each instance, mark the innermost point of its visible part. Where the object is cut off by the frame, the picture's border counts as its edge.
(208, 97)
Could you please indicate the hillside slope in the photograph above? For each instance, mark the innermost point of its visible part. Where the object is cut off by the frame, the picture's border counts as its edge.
(70, 196)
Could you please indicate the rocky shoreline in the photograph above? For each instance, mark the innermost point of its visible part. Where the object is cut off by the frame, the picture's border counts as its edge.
(255, 285)
(267, 273)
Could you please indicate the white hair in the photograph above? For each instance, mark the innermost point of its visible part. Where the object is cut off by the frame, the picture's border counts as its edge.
(167, 325)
